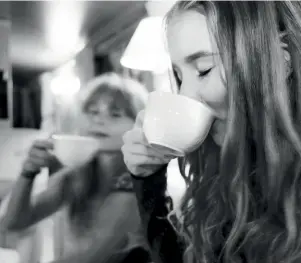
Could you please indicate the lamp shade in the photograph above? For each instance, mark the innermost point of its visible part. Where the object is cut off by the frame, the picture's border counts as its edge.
(146, 49)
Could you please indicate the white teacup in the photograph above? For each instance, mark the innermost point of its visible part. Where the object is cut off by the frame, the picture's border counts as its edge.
(175, 124)
(72, 150)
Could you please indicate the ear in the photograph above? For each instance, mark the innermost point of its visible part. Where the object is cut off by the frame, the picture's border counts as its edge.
(288, 62)
(286, 54)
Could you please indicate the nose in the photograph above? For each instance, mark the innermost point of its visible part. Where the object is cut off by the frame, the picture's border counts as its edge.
(101, 115)
(98, 118)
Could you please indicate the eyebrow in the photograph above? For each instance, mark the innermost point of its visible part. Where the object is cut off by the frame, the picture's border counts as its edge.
(200, 54)
(197, 55)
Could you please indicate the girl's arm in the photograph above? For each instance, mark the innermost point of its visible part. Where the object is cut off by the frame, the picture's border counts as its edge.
(23, 212)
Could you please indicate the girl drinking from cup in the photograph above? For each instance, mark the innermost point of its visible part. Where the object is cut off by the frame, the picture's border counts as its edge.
(243, 200)
(95, 199)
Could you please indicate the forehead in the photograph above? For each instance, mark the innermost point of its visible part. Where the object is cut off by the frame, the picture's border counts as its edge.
(100, 97)
(113, 98)
(187, 33)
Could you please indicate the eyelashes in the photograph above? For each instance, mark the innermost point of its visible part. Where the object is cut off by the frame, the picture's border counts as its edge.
(178, 80)
(200, 74)
(204, 73)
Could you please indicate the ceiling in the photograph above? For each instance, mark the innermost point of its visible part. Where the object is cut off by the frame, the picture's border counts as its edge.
(40, 28)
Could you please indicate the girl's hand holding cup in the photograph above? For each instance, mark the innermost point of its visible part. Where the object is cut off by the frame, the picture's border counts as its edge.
(140, 158)
(40, 156)
(171, 126)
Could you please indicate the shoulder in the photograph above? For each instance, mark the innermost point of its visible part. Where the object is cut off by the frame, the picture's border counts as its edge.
(121, 202)
(121, 199)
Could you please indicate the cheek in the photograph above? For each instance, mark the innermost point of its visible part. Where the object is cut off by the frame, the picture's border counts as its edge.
(82, 122)
(122, 126)
(216, 93)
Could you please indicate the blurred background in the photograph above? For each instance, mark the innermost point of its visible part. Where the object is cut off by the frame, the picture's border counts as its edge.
(48, 52)
(50, 49)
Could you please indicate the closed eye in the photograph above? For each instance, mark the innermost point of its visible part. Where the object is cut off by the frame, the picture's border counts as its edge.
(205, 72)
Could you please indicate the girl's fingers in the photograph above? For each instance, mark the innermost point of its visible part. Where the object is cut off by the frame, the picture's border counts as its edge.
(37, 153)
(43, 144)
(140, 149)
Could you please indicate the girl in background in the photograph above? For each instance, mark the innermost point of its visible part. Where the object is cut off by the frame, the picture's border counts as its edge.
(98, 206)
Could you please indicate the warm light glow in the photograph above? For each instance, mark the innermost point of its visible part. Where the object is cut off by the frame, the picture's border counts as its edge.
(65, 85)
(146, 50)
(65, 82)
(67, 68)
(64, 28)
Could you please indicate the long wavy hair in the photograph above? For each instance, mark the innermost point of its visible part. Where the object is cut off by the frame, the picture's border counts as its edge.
(243, 201)
(124, 93)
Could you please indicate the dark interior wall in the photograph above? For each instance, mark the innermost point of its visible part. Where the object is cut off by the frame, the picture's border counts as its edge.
(26, 101)
(102, 64)
(3, 97)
